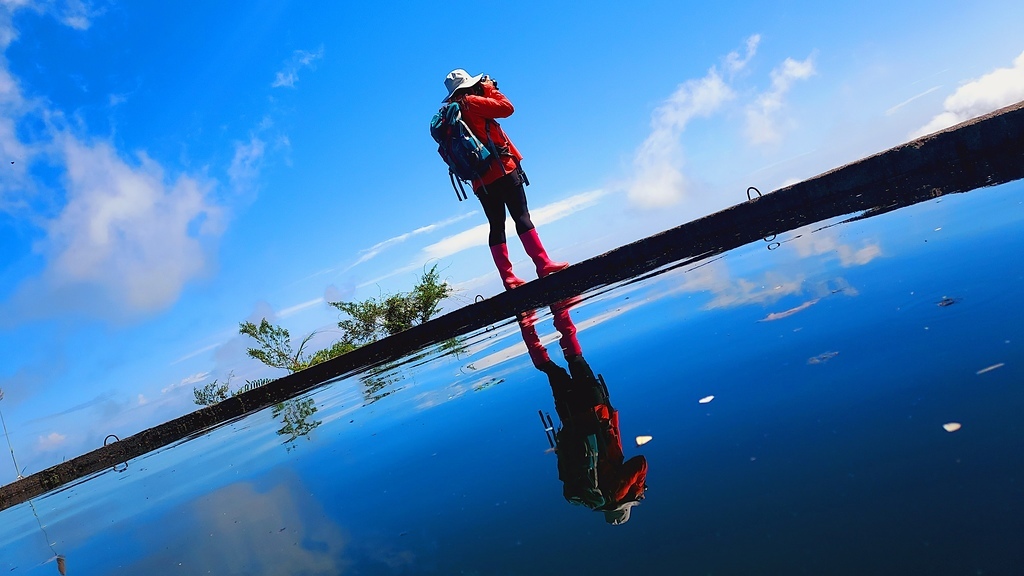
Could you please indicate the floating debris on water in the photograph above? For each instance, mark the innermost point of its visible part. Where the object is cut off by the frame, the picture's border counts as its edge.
(641, 440)
(951, 426)
(790, 312)
(947, 301)
(822, 358)
(991, 368)
(706, 399)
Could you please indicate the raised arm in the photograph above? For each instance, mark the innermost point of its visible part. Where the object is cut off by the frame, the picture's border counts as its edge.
(493, 104)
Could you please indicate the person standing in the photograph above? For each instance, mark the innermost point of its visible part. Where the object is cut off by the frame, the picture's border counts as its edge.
(503, 184)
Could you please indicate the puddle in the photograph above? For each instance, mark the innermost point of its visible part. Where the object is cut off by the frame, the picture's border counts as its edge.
(836, 358)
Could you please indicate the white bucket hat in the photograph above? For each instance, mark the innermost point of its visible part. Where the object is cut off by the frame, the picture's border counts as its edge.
(459, 78)
(620, 514)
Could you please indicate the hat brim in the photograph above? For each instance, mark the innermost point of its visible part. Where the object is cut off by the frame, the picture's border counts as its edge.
(473, 80)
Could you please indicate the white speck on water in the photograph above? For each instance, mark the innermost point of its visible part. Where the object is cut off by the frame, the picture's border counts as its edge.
(991, 368)
(706, 399)
(951, 426)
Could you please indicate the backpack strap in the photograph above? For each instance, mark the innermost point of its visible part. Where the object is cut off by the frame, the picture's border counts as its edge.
(504, 151)
(460, 191)
(494, 149)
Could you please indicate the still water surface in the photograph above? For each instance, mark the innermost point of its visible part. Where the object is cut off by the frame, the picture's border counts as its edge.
(797, 396)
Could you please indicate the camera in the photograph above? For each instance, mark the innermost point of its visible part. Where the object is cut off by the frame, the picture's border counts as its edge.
(493, 82)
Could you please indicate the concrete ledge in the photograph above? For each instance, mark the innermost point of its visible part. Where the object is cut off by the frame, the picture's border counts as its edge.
(982, 152)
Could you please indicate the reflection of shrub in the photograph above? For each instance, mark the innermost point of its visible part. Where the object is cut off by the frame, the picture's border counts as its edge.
(295, 415)
(379, 382)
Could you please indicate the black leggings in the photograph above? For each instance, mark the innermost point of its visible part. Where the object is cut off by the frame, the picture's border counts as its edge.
(505, 191)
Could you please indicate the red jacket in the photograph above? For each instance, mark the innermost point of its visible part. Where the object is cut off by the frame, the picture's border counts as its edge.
(480, 112)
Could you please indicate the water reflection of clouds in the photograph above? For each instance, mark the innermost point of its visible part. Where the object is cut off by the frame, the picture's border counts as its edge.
(774, 284)
(240, 529)
(826, 241)
(714, 277)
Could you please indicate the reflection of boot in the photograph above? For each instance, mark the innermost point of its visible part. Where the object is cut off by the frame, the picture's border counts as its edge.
(500, 254)
(531, 242)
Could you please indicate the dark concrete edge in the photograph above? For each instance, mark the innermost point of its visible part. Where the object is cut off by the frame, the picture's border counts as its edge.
(986, 151)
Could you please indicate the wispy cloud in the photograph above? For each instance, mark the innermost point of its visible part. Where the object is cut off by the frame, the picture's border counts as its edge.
(376, 249)
(78, 14)
(1001, 87)
(763, 113)
(187, 381)
(658, 180)
(477, 236)
(127, 233)
(246, 163)
(125, 238)
(735, 63)
(825, 243)
(51, 441)
(292, 310)
(897, 107)
(289, 75)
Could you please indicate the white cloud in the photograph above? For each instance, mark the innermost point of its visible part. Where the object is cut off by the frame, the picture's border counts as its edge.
(126, 239)
(77, 14)
(658, 179)
(185, 382)
(14, 154)
(195, 353)
(897, 107)
(477, 236)
(1001, 87)
(376, 249)
(300, 59)
(825, 242)
(734, 63)
(562, 208)
(292, 310)
(50, 442)
(245, 165)
(762, 115)
(126, 234)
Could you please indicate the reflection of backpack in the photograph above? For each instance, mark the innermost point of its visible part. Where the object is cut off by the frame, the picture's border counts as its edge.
(577, 468)
(466, 156)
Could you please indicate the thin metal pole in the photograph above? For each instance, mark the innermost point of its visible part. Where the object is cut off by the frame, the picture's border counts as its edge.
(16, 469)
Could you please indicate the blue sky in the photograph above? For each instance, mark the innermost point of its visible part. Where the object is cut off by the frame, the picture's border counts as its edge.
(170, 171)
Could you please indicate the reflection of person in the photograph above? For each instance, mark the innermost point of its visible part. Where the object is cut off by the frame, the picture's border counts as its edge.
(591, 465)
(502, 185)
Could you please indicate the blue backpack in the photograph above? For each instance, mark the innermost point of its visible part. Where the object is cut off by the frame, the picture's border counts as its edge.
(466, 156)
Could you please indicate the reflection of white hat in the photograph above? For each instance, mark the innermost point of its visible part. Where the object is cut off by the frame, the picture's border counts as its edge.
(459, 78)
(619, 515)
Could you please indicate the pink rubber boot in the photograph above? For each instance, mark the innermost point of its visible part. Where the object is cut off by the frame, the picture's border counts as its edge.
(500, 254)
(531, 242)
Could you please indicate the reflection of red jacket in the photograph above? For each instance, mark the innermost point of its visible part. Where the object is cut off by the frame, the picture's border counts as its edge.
(620, 481)
(480, 112)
